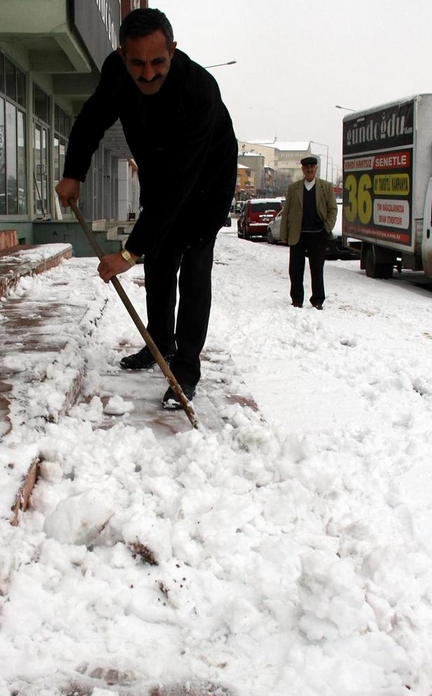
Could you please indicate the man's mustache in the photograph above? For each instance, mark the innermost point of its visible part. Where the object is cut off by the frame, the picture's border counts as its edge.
(148, 82)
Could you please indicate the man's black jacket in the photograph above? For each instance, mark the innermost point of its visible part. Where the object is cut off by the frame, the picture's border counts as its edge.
(183, 142)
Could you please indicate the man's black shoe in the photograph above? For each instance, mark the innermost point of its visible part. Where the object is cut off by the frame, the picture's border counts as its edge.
(297, 304)
(318, 306)
(171, 401)
(142, 360)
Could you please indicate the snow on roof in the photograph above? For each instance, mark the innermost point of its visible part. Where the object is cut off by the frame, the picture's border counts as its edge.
(281, 145)
(298, 146)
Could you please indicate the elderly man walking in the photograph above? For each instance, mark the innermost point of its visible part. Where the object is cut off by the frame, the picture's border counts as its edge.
(308, 218)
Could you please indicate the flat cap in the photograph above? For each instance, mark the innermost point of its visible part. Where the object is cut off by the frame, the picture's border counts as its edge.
(308, 160)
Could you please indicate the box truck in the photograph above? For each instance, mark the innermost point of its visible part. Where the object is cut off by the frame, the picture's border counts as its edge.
(387, 186)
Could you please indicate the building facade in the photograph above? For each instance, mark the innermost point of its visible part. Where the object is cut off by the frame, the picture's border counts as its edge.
(282, 159)
(50, 62)
(245, 183)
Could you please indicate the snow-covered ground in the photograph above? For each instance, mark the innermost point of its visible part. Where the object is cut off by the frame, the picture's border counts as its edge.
(291, 557)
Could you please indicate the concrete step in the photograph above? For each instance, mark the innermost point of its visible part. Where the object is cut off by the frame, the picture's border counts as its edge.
(27, 327)
(40, 355)
(21, 260)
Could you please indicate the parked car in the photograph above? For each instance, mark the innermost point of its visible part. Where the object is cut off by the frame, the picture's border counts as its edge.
(256, 215)
(273, 229)
(335, 249)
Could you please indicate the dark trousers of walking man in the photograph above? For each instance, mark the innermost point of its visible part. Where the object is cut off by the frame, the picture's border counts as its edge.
(312, 244)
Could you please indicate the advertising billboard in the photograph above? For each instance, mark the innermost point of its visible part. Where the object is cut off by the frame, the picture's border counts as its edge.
(378, 151)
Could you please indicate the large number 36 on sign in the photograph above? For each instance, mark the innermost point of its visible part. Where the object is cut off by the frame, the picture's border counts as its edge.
(359, 198)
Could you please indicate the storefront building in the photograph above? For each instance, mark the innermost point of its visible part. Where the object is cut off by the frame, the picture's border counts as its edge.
(50, 62)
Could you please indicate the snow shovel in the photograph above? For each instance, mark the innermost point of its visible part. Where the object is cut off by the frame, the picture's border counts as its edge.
(185, 403)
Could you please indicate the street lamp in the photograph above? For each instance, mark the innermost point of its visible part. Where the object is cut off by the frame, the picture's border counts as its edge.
(343, 107)
(327, 155)
(218, 65)
(337, 170)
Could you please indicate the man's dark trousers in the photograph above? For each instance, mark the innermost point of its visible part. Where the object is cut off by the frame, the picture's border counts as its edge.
(314, 243)
(195, 293)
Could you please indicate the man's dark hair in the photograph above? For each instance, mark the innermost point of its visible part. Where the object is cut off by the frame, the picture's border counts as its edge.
(143, 22)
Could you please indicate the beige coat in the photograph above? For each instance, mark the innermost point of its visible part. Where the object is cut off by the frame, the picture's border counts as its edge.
(292, 215)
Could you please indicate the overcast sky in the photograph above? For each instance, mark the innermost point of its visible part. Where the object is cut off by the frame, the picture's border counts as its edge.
(297, 59)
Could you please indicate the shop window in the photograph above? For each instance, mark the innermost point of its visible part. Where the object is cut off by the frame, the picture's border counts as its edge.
(2, 159)
(41, 104)
(41, 171)
(11, 160)
(2, 74)
(21, 159)
(10, 75)
(41, 139)
(13, 191)
(62, 128)
(21, 88)
(62, 122)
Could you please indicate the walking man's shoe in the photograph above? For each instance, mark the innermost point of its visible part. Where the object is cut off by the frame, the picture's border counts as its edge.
(318, 306)
(171, 401)
(142, 360)
(297, 304)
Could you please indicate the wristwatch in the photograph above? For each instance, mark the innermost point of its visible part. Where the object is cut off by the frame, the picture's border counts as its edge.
(127, 257)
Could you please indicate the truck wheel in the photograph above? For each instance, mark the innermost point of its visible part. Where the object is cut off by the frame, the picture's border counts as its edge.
(371, 267)
(386, 270)
(376, 270)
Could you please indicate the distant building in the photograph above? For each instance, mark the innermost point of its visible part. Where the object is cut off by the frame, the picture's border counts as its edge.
(283, 158)
(245, 182)
(255, 162)
(269, 182)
